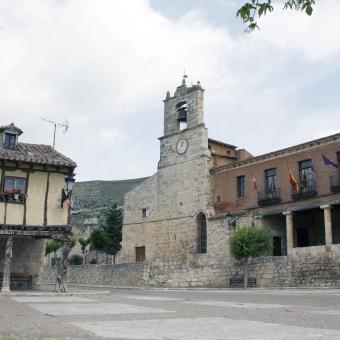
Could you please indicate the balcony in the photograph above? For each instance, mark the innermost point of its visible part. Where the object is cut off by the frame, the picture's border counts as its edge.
(307, 190)
(12, 197)
(268, 197)
(334, 183)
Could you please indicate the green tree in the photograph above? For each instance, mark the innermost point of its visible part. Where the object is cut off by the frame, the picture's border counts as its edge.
(73, 242)
(253, 9)
(52, 247)
(249, 242)
(99, 241)
(113, 230)
(76, 260)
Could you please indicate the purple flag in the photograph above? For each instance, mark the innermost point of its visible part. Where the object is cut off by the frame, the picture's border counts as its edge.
(328, 161)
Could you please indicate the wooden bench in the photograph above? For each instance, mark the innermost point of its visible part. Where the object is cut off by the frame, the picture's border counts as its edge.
(20, 277)
(238, 282)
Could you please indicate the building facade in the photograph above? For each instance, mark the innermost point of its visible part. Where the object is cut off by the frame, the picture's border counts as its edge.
(34, 203)
(183, 215)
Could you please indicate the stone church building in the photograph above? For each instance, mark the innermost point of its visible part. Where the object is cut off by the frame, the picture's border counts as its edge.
(179, 220)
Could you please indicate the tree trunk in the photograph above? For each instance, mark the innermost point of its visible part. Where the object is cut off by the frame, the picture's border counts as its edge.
(62, 269)
(107, 258)
(114, 259)
(246, 261)
(6, 280)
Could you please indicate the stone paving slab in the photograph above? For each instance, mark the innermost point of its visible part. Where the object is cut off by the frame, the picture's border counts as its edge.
(166, 314)
(202, 329)
(237, 304)
(93, 309)
(46, 293)
(151, 298)
(57, 298)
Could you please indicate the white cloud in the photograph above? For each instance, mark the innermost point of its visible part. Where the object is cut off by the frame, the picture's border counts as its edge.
(317, 36)
(106, 65)
(110, 136)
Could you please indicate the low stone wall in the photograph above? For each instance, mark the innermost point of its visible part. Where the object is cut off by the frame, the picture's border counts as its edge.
(283, 271)
(172, 276)
(130, 274)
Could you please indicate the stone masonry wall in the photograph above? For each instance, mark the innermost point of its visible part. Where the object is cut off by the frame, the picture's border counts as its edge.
(28, 256)
(169, 231)
(130, 274)
(174, 276)
(282, 271)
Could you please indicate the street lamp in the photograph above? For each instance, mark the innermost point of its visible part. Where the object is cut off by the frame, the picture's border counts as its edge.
(67, 191)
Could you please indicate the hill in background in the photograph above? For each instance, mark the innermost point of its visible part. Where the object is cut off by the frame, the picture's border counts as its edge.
(92, 198)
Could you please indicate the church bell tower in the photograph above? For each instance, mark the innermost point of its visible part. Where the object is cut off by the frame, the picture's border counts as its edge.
(185, 136)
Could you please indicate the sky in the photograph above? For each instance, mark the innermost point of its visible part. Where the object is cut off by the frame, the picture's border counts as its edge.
(105, 67)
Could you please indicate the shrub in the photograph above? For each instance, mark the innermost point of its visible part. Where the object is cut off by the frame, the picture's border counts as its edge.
(76, 260)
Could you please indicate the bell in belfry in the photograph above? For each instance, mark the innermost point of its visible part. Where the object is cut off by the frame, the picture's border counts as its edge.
(182, 114)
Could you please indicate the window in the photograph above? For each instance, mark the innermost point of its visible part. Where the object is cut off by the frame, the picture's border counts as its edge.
(10, 140)
(306, 173)
(241, 189)
(13, 190)
(338, 157)
(270, 180)
(202, 233)
(145, 212)
(218, 199)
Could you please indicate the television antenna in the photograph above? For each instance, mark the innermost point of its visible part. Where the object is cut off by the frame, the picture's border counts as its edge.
(64, 125)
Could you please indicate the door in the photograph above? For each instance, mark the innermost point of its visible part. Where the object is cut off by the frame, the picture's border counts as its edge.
(140, 254)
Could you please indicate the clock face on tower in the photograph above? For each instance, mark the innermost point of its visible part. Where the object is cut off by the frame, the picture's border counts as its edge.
(182, 146)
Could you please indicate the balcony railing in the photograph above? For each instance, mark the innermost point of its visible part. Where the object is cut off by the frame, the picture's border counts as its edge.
(12, 197)
(268, 197)
(306, 189)
(334, 183)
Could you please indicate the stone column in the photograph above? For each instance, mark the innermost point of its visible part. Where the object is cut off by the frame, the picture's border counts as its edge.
(7, 266)
(328, 223)
(289, 230)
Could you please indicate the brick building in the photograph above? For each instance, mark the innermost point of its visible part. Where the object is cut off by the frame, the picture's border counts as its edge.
(306, 216)
(179, 220)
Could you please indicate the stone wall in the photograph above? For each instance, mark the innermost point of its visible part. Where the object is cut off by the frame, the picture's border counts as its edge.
(281, 271)
(28, 256)
(169, 231)
(130, 274)
(173, 276)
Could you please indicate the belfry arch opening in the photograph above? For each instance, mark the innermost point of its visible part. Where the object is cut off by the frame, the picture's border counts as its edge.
(182, 113)
(201, 221)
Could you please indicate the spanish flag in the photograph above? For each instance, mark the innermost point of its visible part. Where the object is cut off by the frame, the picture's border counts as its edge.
(254, 183)
(293, 181)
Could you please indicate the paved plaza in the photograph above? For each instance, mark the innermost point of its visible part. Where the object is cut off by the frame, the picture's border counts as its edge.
(172, 314)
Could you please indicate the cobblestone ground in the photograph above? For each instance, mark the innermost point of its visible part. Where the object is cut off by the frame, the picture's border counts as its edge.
(173, 314)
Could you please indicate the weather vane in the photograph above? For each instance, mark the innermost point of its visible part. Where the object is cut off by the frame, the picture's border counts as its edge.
(65, 125)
